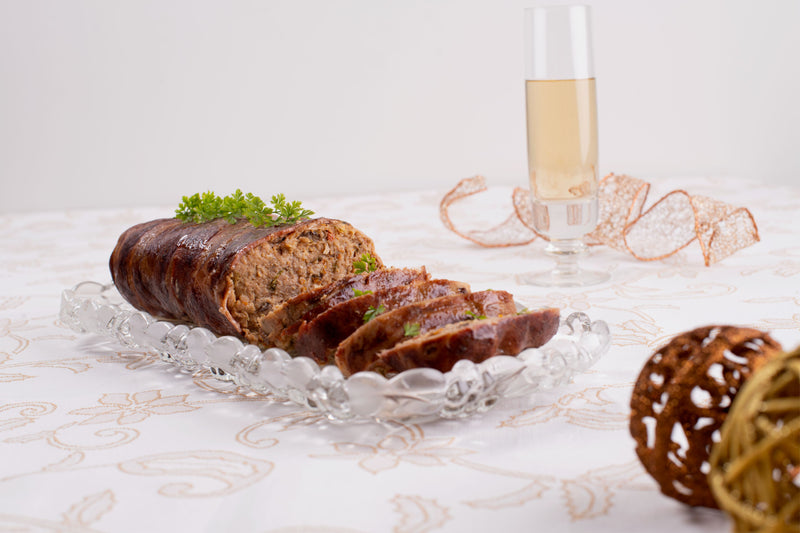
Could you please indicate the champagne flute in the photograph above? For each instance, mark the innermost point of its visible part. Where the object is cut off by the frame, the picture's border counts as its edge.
(562, 139)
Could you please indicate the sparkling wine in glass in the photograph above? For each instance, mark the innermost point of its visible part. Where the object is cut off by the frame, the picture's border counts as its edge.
(562, 138)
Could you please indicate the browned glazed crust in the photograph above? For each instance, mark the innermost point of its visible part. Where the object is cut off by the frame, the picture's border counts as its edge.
(320, 337)
(360, 349)
(280, 326)
(475, 340)
(184, 271)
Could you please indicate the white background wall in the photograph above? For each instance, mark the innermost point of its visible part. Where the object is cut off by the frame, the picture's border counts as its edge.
(134, 102)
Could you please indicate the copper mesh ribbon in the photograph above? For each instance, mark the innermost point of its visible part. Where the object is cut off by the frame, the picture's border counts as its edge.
(667, 226)
(516, 229)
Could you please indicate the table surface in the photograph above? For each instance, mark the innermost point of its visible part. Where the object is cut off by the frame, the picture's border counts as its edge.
(94, 437)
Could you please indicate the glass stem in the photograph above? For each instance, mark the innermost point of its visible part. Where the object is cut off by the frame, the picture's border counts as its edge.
(566, 253)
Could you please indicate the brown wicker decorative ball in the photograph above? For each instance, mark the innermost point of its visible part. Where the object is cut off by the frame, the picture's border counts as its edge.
(681, 398)
(755, 468)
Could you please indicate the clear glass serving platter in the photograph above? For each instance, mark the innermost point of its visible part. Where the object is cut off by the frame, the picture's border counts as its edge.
(468, 388)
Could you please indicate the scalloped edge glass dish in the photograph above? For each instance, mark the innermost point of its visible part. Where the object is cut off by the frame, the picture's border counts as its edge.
(92, 307)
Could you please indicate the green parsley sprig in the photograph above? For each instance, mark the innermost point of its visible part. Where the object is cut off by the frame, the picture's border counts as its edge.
(367, 263)
(411, 329)
(474, 316)
(357, 293)
(372, 312)
(202, 207)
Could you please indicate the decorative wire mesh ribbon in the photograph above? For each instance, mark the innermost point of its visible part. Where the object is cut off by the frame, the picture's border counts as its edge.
(666, 227)
(514, 231)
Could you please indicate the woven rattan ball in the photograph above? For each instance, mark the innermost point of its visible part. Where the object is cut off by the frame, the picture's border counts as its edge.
(681, 398)
(755, 468)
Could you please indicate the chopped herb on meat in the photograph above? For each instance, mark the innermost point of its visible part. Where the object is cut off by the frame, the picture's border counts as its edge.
(372, 312)
(474, 316)
(367, 263)
(357, 292)
(411, 329)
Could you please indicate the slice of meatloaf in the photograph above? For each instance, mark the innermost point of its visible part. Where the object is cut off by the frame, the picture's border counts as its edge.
(476, 340)
(320, 337)
(385, 330)
(227, 276)
(279, 327)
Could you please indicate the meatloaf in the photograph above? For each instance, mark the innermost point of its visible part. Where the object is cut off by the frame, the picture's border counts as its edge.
(319, 338)
(278, 328)
(226, 277)
(385, 330)
(475, 340)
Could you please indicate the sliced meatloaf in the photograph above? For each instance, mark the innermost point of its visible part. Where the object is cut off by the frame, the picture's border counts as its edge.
(476, 340)
(360, 349)
(279, 327)
(225, 276)
(319, 338)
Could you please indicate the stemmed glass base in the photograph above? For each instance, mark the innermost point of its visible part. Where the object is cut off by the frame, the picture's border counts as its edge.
(566, 273)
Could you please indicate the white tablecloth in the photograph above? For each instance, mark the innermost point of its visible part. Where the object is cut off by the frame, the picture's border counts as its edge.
(97, 438)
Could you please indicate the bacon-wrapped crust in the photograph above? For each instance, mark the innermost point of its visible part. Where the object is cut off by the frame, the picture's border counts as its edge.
(319, 338)
(226, 277)
(280, 327)
(360, 349)
(475, 340)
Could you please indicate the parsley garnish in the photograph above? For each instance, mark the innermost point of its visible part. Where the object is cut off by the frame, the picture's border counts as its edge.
(357, 292)
(367, 263)
(523, 311)
(474, 316)
(208, 206)
(411, 329)
(373, 312)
